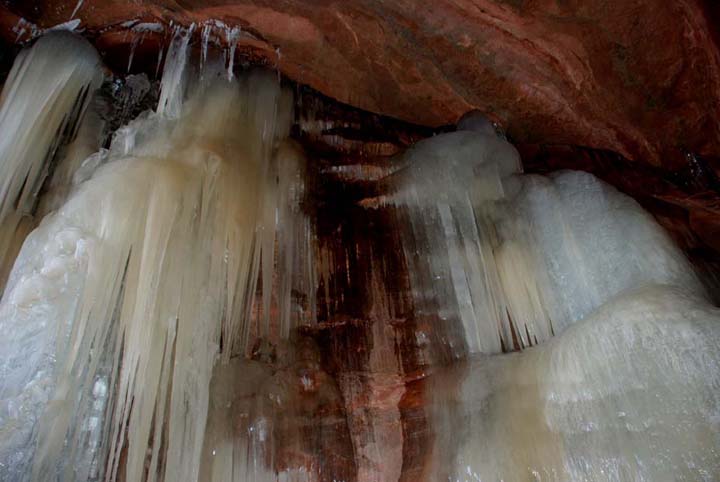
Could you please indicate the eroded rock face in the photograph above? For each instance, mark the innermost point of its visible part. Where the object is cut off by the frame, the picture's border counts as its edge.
(638, 77)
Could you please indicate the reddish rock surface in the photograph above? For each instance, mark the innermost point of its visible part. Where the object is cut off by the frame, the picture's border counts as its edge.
(639, 77)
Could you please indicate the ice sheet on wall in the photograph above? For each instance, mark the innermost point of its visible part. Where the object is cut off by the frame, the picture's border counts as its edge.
(619, 371)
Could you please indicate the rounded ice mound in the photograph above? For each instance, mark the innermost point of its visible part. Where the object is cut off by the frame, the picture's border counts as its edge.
(628, 393)
(475, 121)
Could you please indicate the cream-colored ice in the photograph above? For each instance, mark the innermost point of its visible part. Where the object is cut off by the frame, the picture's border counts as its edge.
(42, 105)
(123, 300)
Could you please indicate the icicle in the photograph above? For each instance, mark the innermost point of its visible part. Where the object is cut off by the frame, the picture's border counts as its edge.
(137, 40)
(22, 27)
(449, 190)
(73, 161)
(172, 89)
(77, 8)
(204, 40)
(277, 63)
(145, 27)
(513, 258)
(295, 271)
(231, 37)
(70, 26)
(44, 98)
(159, 61)
(140, 30)
(126, 294)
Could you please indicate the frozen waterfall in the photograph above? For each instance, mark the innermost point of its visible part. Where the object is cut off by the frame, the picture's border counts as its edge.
(160, 320)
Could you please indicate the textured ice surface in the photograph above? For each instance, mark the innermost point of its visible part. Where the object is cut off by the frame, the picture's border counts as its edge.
(130, 309)
(43, 101)
(175, 73)
(624, 382)
(122, 301)
(628, 393)
(515, 259)
(36, 318)
(594, 243)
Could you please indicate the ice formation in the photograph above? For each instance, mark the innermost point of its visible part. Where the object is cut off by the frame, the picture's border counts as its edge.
(122, 301)
(517, 258)
(623, 384)
(42, 104)
(263, 417)
(77, 8)
(628, 393)
(150, 322)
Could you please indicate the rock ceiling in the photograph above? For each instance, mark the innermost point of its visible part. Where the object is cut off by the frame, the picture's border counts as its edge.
(639, 77)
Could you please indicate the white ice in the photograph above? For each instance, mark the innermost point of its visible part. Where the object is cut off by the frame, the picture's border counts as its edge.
(42, 103)
(516, 258)
(623, 383)
(123, 300)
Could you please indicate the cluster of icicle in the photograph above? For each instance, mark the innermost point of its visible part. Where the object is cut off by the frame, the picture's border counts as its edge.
(626, 385)
(36, 117)
(127, 305)
(517, 258)
(128, 294)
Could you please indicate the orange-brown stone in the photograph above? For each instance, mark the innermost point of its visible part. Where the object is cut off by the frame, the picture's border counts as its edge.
(639, 77)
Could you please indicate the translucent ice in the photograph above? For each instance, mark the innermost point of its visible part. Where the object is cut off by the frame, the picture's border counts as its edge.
(175, 73)
(595, 243)
(42, 103)
(266, 422)
(628, 393)
(121, 302)
(150, 322)
(513, 258)
(623, 384)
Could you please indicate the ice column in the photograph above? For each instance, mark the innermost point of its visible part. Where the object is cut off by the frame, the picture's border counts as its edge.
(124, 299)
(42, 104)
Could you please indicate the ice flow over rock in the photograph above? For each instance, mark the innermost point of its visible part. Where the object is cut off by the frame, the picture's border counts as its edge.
(121, 301)
(619, 369)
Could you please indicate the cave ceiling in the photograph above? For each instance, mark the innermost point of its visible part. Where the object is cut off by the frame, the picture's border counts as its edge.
(638, 77)
(626, 89)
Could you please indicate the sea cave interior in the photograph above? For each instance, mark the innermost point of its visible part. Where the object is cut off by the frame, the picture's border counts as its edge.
(359, 240)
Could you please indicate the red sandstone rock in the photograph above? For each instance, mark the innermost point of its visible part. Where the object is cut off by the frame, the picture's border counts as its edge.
(639, 77)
